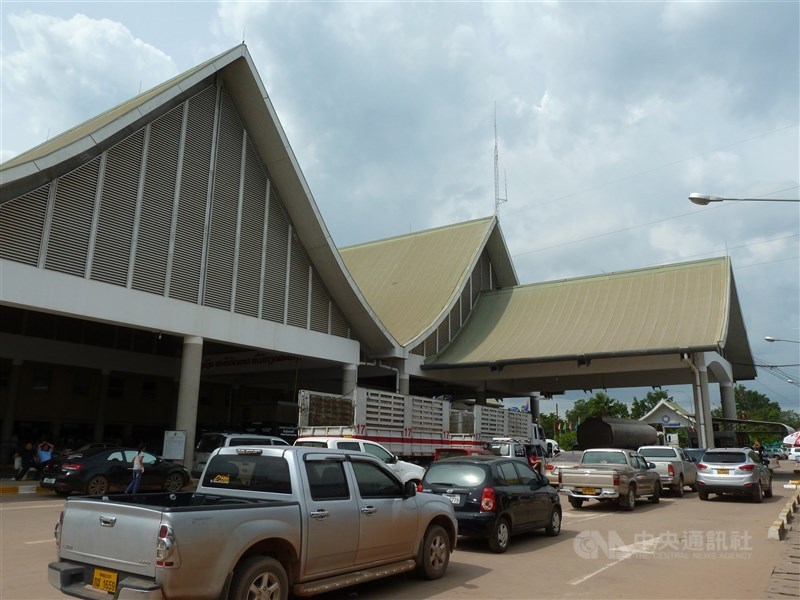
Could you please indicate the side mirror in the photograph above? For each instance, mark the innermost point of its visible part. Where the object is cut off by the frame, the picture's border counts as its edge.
(392, 460)
(651, 465)
(409, 489)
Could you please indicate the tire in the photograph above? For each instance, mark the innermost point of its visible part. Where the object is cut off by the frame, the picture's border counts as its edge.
(702, 495)
(259, 577)
(758, 496)
(575, 502)
(628, 501)
(501, 536)
(768, 491)
(97, 486)
(656, 497)
(678, 489)
(434, 555)
(174, 482)
(553, 528)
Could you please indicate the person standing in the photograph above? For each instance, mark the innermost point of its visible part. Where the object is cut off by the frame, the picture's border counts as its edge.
(138, 470)
(28, 461)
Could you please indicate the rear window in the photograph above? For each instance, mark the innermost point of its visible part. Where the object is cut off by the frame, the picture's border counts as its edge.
(657, 453)
(309, 444)
(455, 475)
(248, 472)
(450, 452)
(724, 457)
(603, 458)
(568, 456)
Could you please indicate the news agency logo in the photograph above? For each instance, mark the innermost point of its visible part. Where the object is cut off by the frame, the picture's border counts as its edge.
(689, 544)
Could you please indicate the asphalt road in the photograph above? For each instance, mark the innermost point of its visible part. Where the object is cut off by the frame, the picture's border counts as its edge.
(680, 548)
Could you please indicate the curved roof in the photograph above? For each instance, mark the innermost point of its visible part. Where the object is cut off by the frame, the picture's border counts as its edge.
(682, 307)
(411, 281)
(235, 67)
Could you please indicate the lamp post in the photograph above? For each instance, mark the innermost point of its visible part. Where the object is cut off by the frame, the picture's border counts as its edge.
(769, 338)
(705, 199)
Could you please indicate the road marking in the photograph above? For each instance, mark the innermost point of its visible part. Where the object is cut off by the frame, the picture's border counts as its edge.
(645, 547)
(26, 505)
(581, 519)
(50, 541)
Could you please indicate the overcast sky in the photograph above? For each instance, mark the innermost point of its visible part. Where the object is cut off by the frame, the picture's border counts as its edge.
(608, 116)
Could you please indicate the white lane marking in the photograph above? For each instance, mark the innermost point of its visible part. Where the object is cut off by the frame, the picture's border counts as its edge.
(50, 541)
(26, 505)
(645, 547)
(571, 518)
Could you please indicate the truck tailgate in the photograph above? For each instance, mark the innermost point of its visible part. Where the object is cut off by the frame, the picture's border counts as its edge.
(582, 477)
(111, 535)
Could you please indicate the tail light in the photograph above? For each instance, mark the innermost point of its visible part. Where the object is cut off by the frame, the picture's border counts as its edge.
(57, 530)
(73, 466)
(487, 500)
(671, 470)
(747, 467)
(419, 486)
(701, 466)
(167, 548)
(550, 467)
(616, 479)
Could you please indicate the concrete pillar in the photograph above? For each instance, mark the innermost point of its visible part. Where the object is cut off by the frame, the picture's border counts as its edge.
(480, 396)
(349, 378)
(534, 404)
(9, 416)
(706, 406)
(102, 399)
(404, 384)
(728, 400)
(702, 442)
(186, 417)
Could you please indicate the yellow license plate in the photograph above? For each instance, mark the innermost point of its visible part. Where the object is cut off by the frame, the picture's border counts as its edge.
(591, 491)
(723, 471)
(105, 580)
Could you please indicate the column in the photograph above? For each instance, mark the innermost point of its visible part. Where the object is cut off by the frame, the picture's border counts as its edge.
(480, 396)
(706, 406)
(404, 381)
(100, 420)
(10, 412)
(698, 416)
(349, 378)
(534, 404)
(186, 417)
(728, 400)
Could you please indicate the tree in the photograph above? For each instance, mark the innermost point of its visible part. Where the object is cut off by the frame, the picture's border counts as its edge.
(755, 406)
(640, 408)
(599, 405)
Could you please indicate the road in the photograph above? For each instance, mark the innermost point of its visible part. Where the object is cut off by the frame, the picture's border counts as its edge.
(680, 548)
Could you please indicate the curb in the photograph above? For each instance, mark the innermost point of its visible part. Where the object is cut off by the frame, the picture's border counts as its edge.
(779, 528)
(33, 488)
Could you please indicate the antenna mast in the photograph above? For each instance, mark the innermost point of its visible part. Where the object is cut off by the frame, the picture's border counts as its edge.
(497, 199)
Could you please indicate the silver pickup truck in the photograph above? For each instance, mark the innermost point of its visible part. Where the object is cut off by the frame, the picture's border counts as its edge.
(610, 474)
(264, 522)
(674, 467)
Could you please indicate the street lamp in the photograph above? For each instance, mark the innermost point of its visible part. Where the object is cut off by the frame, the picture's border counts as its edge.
(705, 199)
(769, 338)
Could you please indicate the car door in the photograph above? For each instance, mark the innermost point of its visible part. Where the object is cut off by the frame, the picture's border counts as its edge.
(512, 496)
(387, 522)
(689, 468)
(645, 476)
(331, 536)
(537, 497)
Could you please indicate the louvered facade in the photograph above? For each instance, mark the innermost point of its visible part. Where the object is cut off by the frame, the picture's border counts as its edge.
(182, 208)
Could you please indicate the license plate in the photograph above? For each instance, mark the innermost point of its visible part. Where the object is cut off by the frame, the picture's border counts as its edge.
(723, 471)
(105, 580)
(49, 480)
(589, 491)
(454, 498)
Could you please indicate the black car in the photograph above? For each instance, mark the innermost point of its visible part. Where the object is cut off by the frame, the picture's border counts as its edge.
(97, 471)
(495, 497)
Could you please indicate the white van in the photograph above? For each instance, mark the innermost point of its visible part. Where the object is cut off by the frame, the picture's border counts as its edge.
(208, 442)
(404, 470)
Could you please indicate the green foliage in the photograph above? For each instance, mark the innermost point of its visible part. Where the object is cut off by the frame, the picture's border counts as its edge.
(599, 405)
(755, 405)
(640, 408)
(567, 439)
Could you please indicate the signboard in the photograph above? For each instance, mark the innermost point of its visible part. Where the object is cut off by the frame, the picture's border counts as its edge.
(174, 445)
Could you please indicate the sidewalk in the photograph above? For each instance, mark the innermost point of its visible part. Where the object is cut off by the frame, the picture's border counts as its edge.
(785, 579)
(27, 486)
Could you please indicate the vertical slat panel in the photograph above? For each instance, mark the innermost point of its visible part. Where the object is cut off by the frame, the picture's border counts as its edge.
(275, 272)
(72, 220)
(152, 248)
(21, 225)
(298, 285)
(339, 326)
(190, 225)
(224, 208)
(320, 305)
(112, 249)
(252, 231)
(486, 279)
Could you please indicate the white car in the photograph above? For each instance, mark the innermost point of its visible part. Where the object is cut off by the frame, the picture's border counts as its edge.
(404, 470)
(794, 454)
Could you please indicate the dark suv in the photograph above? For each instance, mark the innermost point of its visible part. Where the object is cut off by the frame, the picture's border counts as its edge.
(495, 497)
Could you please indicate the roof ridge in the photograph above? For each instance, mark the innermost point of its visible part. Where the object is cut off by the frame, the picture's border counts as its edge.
(419, 233)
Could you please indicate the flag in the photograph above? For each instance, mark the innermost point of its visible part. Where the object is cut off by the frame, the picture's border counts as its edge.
(570, 426)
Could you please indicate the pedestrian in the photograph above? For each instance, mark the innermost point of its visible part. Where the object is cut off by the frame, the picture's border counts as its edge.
(138, 469)
(44, 452)
(28, 461)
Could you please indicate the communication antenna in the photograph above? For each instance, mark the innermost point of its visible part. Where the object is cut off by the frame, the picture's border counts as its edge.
(497, 199)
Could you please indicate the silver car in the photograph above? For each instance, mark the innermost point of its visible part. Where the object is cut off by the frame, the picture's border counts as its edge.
(733, 471)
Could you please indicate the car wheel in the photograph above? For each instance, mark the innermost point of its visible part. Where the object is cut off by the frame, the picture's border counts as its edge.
(575, 502)
(768, 491)
(174, 482)
(656, 497)
(628, 501)
(501, 536)
(702, 495)
(434, 556)
(97, 486)
(758, 496)
(259, 577)
(678, 489)
(553, 528)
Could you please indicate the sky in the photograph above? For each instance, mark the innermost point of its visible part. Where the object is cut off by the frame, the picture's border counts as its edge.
(607, 115)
